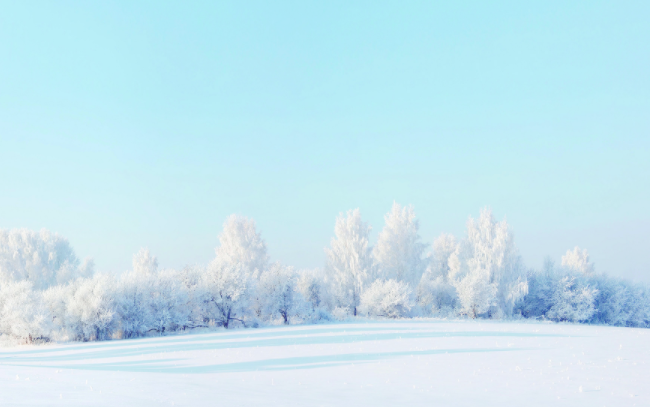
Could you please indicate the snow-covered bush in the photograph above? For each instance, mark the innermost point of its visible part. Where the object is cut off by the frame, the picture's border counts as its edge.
(387, 298)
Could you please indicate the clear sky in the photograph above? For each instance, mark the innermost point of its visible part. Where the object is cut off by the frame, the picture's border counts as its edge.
(125, 125)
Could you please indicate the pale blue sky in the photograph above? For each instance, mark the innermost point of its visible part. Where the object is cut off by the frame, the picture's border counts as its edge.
(125, 125)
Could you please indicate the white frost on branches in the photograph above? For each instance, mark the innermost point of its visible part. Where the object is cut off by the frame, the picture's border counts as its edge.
(387, 298)
(240, 244)
(144, 262)
(435, 293)
(486, 268)
(42, 258)
(46, 295)
(578, 260)
(399, 252)
(349, 259)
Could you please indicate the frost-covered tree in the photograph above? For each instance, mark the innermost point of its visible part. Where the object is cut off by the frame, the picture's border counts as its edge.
(477, 294)
(486, 268)
(90, 308)
(443, 247)
(578, 260)
(23, 314)
(226, 289)
(615, 301)
(225, 293)
(619, 302)
(43, 258)
(573, 300)
(199, 306)
(399, 252)
(640, 308)
(387, 298)
(55, 300)
(241, 245)
(168, 302)
(144, 262)
(281, 299)
(435, 293)
(46, 295)
(437, 297)
(131, 303)
(313, 286)
(570, 294)
(349, 260)
(150, 301)
(541, 289)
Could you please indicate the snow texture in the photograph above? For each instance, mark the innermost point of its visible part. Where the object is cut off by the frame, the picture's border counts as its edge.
(373, 363)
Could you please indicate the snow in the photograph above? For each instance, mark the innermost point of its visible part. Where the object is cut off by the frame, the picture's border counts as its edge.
(376, 363)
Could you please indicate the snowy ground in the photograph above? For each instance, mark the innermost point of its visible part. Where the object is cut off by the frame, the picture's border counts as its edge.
(375, 363)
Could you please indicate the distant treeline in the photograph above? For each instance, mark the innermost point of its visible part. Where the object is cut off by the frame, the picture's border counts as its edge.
(47, 294)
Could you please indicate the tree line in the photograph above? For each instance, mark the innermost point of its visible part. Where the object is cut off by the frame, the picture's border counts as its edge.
(48, 294)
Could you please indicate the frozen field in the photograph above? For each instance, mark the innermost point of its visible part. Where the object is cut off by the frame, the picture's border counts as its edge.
(375, 363)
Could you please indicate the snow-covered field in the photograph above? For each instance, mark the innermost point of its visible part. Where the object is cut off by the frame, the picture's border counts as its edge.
(461, 363)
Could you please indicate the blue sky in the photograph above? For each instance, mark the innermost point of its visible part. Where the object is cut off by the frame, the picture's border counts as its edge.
(125, 125)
